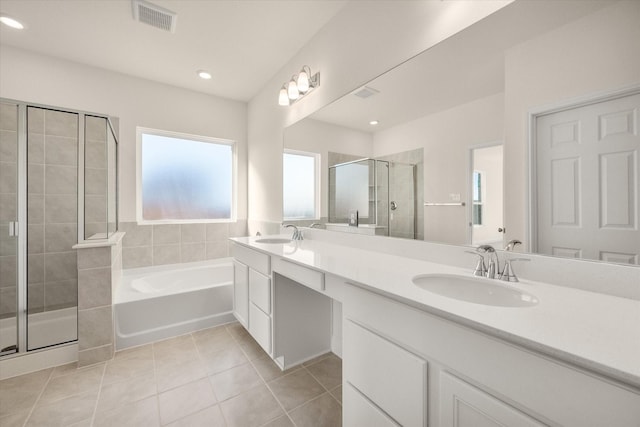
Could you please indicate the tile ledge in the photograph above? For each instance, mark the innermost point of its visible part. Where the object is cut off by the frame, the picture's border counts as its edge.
(111, 241)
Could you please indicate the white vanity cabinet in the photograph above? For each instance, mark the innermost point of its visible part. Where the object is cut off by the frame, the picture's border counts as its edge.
(474, 379)
(252, 293)
(283, 305)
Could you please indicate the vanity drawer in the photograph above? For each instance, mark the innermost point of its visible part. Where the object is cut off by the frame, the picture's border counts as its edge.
(303, 275)
(260, 290)
(260, 327)
(383, 371)
(254, 259)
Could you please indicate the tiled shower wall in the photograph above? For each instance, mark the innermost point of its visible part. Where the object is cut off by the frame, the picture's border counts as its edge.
(52, 183)
(8, 208)
(147, 245)
(95, 179)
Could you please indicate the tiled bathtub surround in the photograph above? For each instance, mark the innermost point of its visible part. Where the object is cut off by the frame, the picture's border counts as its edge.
(214, 377)
(147, 245)
(99, 270)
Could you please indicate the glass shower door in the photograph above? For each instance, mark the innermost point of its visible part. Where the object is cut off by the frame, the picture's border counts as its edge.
(8, 228)
(52, 226)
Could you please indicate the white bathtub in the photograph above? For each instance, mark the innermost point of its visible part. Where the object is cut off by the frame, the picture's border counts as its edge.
(155, 303)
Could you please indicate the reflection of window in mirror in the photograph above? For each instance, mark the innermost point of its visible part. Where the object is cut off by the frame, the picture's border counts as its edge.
(300, 185)
(478, 197)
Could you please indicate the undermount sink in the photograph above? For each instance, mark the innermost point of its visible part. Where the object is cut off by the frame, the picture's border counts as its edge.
(273, 240)
(474, 289)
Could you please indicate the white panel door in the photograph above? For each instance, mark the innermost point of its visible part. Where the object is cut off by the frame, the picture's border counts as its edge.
(588, 182)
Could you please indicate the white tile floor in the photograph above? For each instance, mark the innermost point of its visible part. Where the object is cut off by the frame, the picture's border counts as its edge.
(215, 377)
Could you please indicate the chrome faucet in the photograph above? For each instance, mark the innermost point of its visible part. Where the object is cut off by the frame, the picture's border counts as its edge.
(316, 224)
(493, 265)
(492, 269)
(297, 234)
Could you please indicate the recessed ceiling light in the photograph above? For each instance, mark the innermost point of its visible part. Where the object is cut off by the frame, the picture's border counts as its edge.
(373, 122)
(204, 74)
(11, 22)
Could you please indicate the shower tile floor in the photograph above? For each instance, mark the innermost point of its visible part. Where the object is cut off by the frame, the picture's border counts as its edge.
(214, 377)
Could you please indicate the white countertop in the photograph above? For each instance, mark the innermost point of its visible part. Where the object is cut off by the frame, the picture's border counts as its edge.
(595, 331)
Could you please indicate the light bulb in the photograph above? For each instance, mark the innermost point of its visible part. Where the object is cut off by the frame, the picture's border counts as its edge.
(283, 98)
(204, 74)
(373, 122)
(292, 90)
(10, 22)
(303, 81)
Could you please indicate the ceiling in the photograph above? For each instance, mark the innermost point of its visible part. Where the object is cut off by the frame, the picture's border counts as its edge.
(242, 43)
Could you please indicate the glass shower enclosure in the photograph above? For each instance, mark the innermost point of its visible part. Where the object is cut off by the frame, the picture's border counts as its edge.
(58, 182)
(382, 191)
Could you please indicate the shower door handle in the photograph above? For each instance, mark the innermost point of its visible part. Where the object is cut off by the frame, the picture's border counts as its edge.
(13, 228)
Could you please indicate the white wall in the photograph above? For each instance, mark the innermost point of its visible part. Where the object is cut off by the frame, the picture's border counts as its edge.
(583, 62)
(31, 77)
(364, 40)
(320, 137)
(446, 166)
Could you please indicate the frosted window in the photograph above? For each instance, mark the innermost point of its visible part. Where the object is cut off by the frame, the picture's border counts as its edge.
(299, 185)
(183, 179)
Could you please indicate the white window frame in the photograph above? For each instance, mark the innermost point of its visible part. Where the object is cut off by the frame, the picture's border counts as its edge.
(234, 175)
(317, 186)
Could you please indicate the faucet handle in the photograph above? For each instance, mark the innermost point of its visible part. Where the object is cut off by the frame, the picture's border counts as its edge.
(512, 244)
(481, 269)
(508, 275)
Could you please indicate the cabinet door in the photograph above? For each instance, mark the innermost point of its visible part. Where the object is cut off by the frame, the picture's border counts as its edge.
(260, 327)
(463, 405)
(241, 293)
(392, 378)
(362, 412)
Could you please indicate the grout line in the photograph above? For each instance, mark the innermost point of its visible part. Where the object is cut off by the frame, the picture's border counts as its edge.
(263, 380)
(95, 408)
(33, 408)
(155, 377)
(201, 357)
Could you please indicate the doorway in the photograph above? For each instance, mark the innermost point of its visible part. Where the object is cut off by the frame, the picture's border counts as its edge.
(486, 195)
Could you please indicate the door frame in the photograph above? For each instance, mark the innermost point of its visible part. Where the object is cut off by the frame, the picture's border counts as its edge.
(532, 122)
(469, 181)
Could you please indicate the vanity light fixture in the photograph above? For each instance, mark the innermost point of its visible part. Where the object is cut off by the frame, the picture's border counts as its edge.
(283, 97)
(203, 74)
(300, 85)
(11, 22)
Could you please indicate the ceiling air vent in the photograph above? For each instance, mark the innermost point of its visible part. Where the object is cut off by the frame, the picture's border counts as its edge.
(153, 15)
(365, 92)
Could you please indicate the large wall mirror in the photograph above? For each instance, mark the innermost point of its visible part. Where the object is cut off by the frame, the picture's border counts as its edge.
(523, 126)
